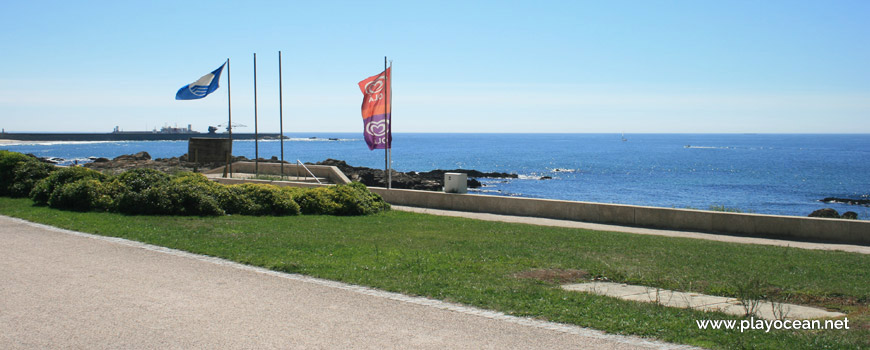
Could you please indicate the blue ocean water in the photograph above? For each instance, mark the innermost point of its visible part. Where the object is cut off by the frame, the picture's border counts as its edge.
(761, 173)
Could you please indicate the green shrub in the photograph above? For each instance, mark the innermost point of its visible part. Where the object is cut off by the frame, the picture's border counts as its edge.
(8, 161)
(356, 199)
(188, 198)
(170, 198)
(26, 174)
(351, 199)
(81, 195)
(234, 200)
(262, 199)
(138, 180)
(317, 201)
(294, 192)
(132, 199)
(44, 188)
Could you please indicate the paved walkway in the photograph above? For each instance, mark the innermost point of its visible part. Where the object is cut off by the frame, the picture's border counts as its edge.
(64, 289)
(637, 230)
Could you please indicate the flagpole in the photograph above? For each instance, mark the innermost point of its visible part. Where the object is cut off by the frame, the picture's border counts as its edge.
(281, 113)
(256, 133)
(387, 175)
(230, 117)
(389, 96)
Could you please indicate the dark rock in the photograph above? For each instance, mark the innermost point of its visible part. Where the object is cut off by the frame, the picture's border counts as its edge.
(851, 215)
(864, 202)
(546, 177)
(473, 183)
(427, 181)
(101, 160)
(138, 156)
(825, 213)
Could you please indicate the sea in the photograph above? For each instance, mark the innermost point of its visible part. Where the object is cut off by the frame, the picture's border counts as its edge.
(782, 174)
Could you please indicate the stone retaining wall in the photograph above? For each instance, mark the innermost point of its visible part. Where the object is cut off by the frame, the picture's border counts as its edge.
(831, 230)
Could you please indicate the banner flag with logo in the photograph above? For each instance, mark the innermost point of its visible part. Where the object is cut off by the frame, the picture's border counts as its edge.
(202, 87)
(376, 110)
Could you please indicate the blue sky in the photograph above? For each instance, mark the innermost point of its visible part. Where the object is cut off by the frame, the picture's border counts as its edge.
(463, 66)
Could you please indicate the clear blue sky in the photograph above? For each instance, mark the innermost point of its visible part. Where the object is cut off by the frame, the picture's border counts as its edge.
(464, 66)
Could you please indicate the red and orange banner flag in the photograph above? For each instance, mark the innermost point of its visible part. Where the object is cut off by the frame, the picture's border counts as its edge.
(376, 110)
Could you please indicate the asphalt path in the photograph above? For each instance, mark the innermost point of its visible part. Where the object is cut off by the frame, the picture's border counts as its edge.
(61, 289)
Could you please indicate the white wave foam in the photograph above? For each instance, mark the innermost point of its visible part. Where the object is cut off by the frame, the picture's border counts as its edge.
(708, 147)
(52, 143)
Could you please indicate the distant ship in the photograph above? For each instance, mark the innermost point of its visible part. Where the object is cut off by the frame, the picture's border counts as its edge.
(165, 133)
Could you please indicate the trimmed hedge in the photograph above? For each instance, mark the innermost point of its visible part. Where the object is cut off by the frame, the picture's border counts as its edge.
(138, 180)
(151, 192)
(43, 189)
(263, 199)
(351, 199)
(82, 195)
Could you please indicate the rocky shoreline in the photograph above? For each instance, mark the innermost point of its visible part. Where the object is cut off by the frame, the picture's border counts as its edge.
(849, 201)
(427, 181)
(412, 180)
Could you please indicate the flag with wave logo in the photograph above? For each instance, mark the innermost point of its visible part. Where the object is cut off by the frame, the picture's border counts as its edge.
(376, 110)
(202, 87)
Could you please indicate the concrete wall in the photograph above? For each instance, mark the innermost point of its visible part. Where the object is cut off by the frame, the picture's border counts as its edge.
(833, 230)
(232, 181)
(208, 150)
(829, 230)
(322, 171)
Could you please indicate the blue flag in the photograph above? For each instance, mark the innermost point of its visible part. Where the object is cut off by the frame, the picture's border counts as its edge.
(202, 87)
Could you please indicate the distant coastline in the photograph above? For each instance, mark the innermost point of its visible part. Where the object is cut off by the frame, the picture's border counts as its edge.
(125, 136)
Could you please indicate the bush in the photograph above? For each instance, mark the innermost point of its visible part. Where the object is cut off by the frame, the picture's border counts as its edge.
(262, 199)
(82, 195)
(138, 180)
(26, 174)
(356, 199)
(180, 195)
(351, 199)
(317, 201)
(44, 188)
(8, 162)
(234, 200)
(132, 185)
(187, 198)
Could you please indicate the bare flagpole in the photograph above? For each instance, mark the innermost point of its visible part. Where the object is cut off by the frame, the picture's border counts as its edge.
(256, 134)
(281, 113)
(230, 117)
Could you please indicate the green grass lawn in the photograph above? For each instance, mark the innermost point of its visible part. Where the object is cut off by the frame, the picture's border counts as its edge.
(477, 263)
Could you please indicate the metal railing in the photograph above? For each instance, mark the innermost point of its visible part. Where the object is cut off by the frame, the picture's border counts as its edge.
(298, 162)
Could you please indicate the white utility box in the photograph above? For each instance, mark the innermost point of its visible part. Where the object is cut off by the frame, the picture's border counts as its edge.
(455, 183)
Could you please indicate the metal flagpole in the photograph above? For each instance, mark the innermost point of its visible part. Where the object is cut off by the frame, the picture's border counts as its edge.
(256, 134)
(281, 113)
(389, 96)
(230, 117)
(387, 176)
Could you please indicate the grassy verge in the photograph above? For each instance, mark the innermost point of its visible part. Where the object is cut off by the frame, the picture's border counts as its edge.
(477, 263)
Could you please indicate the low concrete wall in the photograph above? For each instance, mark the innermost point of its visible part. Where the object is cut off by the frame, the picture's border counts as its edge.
(833, 230)
(322, 171)
(232, 181)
